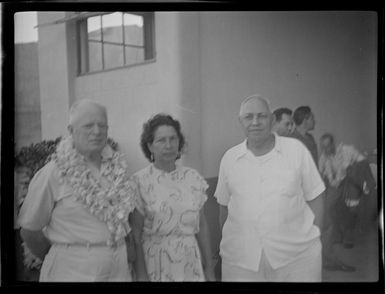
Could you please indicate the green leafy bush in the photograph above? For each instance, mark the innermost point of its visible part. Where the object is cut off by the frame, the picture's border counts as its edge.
(33, 157)
(36, 155)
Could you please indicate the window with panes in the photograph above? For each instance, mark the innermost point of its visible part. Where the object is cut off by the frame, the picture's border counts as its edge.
(115, 39)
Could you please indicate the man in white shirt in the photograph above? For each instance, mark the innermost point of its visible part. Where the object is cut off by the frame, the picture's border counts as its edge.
(269, 191)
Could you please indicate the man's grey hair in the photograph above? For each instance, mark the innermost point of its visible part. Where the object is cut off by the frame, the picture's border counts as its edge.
(73, 112)
(255, 97)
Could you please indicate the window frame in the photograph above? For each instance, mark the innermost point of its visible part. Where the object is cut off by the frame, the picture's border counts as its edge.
(83, 66)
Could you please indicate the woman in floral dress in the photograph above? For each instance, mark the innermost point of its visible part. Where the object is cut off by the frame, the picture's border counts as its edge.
(169, 225)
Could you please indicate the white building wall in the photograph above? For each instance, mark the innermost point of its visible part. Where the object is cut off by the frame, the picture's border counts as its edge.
(27, 95)
(207, 62)
(133, 94)
(326, 60)
(54, 76)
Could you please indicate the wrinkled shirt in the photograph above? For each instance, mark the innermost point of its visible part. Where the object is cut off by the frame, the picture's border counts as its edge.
(333, 167)
(49, 206)
(266, 200)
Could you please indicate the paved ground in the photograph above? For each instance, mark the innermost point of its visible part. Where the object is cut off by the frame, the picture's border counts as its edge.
(364, 256)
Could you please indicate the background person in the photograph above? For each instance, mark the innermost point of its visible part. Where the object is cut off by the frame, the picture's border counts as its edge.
(345, 168)
(329, 169)
(304, 123)
(271, 208)
(170, 228)
(283, 124)
(75, 214)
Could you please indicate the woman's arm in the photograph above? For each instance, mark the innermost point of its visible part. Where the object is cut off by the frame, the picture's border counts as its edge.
(137, 221)
(203, 237)
(36, 242)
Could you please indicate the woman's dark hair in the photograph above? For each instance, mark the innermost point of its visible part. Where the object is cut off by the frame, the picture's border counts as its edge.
(149, 128)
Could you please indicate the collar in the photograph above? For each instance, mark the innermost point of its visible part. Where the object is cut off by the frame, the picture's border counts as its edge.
(242, 149)
(154, 169)
(107, 152)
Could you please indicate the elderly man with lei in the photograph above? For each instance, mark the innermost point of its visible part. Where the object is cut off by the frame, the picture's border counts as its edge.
(75, 215)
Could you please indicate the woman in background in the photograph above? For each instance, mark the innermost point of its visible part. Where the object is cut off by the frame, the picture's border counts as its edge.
(170, 228)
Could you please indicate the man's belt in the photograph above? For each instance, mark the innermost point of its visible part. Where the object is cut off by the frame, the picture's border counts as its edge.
(91, 245)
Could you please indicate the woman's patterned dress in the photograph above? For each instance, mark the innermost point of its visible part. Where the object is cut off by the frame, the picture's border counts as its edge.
(171, 204)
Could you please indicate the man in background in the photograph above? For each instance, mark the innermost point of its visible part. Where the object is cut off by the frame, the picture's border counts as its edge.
(304, 123)
(283, 125)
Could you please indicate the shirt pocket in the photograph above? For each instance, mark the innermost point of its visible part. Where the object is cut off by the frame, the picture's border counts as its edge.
(284, 183)
(243, 183)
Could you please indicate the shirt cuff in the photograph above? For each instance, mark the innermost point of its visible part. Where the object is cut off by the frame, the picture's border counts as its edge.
(221, 201)
(315, 192)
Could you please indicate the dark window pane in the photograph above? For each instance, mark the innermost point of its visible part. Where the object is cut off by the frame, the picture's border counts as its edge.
(94, 28)
(134, 55)
(133, 29)
(112, 28)
(95, 56)
(113, 56)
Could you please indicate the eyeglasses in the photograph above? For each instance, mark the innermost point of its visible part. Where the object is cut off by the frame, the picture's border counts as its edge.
(90, 127)
(258, 116)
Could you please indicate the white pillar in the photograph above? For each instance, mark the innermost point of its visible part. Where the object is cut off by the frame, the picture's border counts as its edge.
(55, 74)
(190, 88)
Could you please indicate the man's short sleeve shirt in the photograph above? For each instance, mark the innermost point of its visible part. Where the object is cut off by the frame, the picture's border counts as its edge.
(49, 205)
(266, 198)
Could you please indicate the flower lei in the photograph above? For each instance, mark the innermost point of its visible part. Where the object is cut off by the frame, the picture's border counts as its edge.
(110, 203)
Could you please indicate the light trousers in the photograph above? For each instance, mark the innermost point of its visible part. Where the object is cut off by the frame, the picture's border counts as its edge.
(306, 268)
(82, 264)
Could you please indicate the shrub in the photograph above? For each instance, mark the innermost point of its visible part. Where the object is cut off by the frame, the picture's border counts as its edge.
(36, 155)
